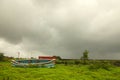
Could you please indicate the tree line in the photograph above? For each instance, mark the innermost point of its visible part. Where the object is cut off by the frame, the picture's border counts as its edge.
(4, 58)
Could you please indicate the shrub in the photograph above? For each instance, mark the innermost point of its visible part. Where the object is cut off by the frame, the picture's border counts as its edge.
(1, 56)
(76, 62)
(100, 65)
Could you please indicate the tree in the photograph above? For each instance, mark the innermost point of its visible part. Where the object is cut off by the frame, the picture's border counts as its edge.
(85, 54)
(85, 57)
(1, 56)
(57, 57)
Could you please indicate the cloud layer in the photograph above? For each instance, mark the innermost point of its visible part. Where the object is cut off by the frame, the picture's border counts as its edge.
(60, 27)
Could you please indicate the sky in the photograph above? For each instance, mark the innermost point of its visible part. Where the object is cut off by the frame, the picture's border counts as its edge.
(63, 28)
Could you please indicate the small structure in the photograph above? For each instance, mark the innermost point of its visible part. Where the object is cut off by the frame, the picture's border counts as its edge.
(47, 57)
(43, 61)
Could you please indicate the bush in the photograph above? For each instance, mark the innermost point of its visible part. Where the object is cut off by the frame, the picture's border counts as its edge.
(100, 65)
(1, 57)
(77, 62)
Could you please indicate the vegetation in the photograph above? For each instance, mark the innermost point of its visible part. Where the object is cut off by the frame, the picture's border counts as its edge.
(5, 58)
(65, 69)
(60, 72)
(1, 56)
(85, 57)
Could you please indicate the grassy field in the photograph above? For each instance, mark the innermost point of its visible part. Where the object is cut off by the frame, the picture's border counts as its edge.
(60, 72)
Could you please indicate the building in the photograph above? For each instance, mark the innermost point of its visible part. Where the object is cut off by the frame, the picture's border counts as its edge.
(47, 57)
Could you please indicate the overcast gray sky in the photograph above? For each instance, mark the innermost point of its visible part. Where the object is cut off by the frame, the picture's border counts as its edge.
(60, 27)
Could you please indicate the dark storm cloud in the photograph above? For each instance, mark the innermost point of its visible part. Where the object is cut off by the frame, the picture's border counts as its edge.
(59, 27)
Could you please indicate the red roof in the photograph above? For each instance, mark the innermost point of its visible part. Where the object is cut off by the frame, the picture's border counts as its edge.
(47, 57)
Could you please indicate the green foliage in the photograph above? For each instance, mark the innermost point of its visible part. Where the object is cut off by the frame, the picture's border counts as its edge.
(85, 54)
(60, 72)
(77, 62)
(57, 57)
(85, 57)
(1, 57)
(100, 65)
(5, 58)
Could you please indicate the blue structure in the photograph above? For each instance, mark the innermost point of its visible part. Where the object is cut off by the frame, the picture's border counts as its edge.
(34, 63)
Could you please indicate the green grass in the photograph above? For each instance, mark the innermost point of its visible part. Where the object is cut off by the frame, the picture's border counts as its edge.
(60, 72)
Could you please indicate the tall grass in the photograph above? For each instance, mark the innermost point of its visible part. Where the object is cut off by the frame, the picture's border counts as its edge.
(60, 72)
